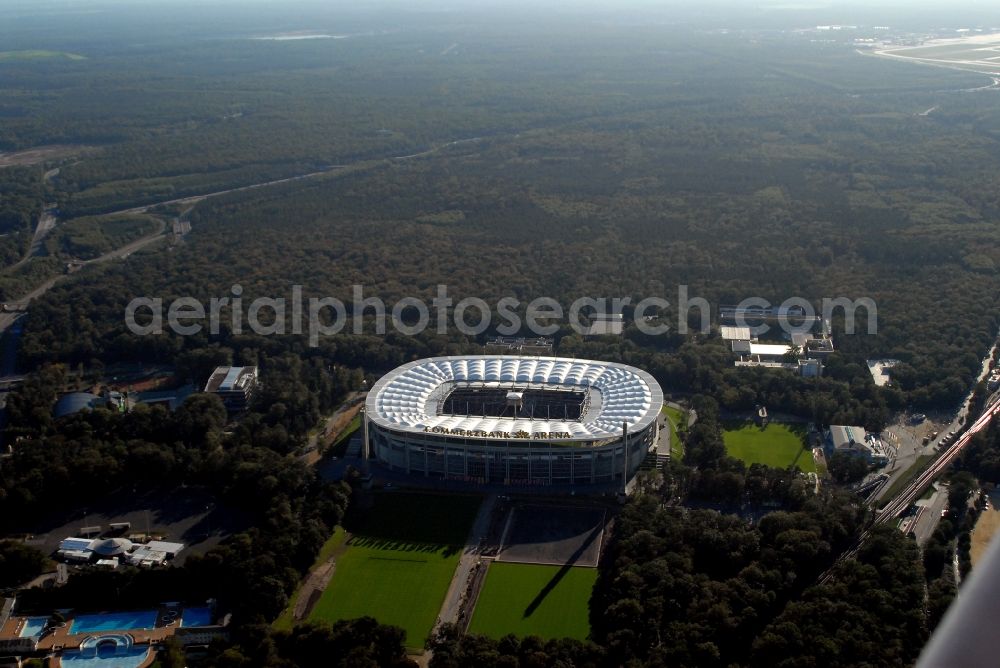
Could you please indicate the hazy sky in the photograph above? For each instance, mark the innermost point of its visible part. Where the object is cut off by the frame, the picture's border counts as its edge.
(676, 5)
(728, 13)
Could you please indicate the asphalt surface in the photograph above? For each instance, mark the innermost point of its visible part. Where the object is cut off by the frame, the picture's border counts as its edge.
(929, 516)
(473, 545)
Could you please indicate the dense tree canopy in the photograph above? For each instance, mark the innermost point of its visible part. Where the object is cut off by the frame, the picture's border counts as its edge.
(551, 158)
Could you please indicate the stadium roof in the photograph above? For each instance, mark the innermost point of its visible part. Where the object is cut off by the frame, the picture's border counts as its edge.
(406, 398)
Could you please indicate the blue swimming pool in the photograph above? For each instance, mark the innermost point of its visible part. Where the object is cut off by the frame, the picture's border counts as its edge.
(114, 621)
(105, 658)
(33, 626)
(197, 617)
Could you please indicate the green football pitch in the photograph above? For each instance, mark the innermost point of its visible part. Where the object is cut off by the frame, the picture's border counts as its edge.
(399, 562)
(531, 599)
(779, 445)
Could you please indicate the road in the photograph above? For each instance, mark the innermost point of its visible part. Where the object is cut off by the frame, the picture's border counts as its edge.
(916, 487)
(912, 492)
(8, 319)
(46, 223)
(470, 555)
(929, 516)
(128, 249)
(193, 199)
(908, 448)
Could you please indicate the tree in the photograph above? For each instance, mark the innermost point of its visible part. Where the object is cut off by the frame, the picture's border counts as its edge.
(171, 654)
(847, 468)
(200, 415)
(19, 563)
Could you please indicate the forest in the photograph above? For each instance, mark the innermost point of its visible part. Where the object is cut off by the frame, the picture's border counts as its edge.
(678, 585)
(285, 512)
(598, 192)
(557, 157)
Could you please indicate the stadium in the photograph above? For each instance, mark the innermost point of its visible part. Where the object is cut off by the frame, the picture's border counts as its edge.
(514, 420)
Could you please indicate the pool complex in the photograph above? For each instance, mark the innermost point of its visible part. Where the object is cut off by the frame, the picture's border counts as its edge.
(33, 627)
(196, 617)
(114, 650)
(114, 621)
(105, 657)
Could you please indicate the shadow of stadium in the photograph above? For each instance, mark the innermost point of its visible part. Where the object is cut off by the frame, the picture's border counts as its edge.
(561, 573)
(402, 546)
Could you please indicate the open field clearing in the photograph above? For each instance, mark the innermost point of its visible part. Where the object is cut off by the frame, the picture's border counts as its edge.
(528, 599)
(399, 562)
(778, 445)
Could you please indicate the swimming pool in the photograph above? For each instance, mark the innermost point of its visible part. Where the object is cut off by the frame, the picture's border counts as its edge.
(197, 617)
(33, 627)
(114, 621)
(105, 657)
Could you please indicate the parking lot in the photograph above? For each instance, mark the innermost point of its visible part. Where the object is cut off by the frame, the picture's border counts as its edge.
(185, 515)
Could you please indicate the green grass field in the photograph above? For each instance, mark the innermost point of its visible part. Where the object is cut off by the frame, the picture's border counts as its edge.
(779, 445)
(399, 562)
(529, 599)
(678, 424)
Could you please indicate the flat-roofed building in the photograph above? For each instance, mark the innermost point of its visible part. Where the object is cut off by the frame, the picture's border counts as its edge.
(155, 553)
(819, 348)
(602, 324)
(765, 351)
(734, 333)
(509, 345)
(75, 549)
(236, 385)
(854, 440)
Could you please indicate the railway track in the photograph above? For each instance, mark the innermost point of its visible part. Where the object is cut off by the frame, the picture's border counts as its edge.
(909, 494)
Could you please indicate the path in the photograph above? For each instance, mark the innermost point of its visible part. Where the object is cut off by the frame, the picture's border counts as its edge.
(313, 587)
(473, 546)
(333, 426)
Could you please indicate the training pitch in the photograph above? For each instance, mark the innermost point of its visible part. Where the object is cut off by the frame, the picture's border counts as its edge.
(532, 599)
(399, 562)
(779, 445)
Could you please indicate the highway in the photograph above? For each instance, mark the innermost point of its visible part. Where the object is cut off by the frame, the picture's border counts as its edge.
(47, 221)
(194, 199)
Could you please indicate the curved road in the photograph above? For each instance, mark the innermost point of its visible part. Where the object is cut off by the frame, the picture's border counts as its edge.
(7, 319)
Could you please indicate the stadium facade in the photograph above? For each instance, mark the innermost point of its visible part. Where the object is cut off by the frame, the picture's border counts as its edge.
(515, 420)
